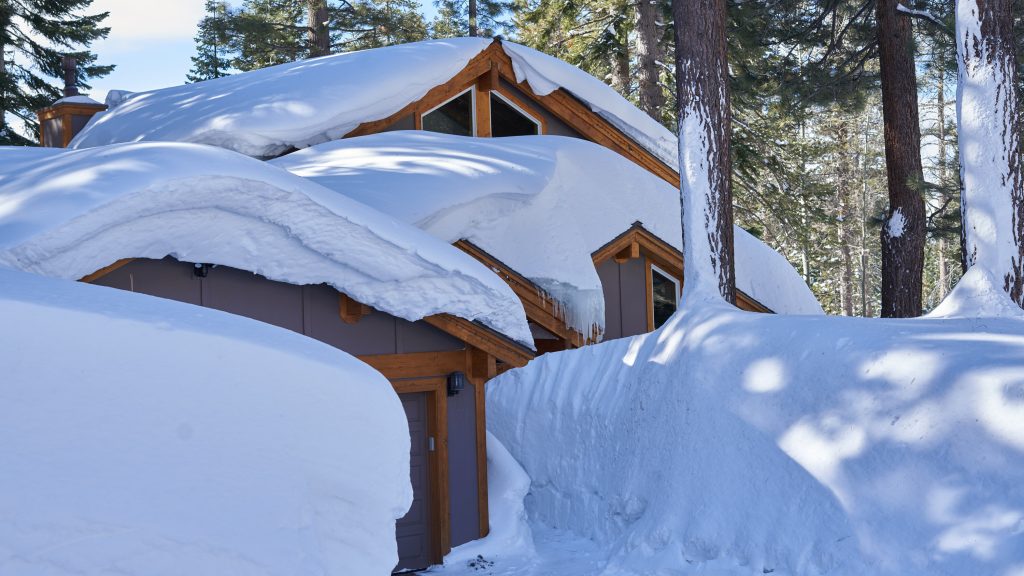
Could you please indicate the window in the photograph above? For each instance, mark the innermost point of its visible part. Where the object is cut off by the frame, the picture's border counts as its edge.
(664, 295)
(507, 119)
(453, 117)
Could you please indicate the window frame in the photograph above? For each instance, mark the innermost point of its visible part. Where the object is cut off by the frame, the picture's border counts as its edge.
(472, 110)
(529, 116)
(651, 269)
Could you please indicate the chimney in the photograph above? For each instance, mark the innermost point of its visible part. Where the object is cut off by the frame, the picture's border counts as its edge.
(59, 122)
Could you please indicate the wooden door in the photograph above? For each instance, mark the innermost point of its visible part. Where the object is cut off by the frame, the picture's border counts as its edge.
(413, 531)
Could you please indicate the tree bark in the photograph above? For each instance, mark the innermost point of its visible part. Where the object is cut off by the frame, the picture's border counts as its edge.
(702, 89)
(903, 232)
(472, 18)
(651, 96)
(844, 177)
(319, 36)
(992, 201)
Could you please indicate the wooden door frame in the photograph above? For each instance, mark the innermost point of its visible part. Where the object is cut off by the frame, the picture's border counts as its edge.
(436, 389)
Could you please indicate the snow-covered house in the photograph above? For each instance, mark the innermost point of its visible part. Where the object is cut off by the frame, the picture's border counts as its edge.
(470, 87)
(527, 242)
(217, 229)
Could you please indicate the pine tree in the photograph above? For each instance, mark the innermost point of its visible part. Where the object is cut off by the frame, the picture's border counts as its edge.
(702, 96)
(34, 36)
(212, 59)
(903, 236)
(988, 121)
(471, 18)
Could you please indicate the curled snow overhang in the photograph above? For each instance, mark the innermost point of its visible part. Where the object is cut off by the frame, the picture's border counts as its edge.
(267, 112)
(540, 205)
(74, 213)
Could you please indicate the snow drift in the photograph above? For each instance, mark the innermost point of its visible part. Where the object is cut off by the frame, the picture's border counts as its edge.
(71, 213)
(541, 204)
(266, 112)
(144, 436)
(740, 443)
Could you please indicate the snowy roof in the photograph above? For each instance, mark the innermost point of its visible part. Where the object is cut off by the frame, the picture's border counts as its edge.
(146, 436)
(70, 213)
(266, 112)
(77, 99)
(540, 204)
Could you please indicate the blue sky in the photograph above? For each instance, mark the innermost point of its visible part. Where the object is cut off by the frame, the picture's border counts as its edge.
(151, 42)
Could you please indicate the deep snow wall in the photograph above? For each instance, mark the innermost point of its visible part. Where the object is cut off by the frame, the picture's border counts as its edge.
(144, 436)
(747, 443)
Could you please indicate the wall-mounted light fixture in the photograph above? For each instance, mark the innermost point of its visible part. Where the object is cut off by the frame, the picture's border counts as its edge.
(201, 270)
(456, 383)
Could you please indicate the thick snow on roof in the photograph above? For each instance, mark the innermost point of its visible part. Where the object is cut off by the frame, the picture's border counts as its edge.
(747, 444)
(73, 212)
(541, 204)
(269, 111)
(145, 436)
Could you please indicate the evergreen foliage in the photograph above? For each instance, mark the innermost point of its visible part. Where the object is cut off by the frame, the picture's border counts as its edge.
(211, 59)
(34, 36)
(261, 33)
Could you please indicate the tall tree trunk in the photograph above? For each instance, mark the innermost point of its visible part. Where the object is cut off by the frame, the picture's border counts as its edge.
(472, 18)
(319, 36)
(702, 88)
(940, 104)
(864, 307)
(992, 201)
(651, 96)
(844, 177)
(903, 233)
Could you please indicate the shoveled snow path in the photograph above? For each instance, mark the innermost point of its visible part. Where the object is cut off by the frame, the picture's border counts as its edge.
(558, 552)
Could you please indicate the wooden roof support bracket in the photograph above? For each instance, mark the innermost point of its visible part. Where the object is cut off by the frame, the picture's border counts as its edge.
(350, 310)
(631, 252)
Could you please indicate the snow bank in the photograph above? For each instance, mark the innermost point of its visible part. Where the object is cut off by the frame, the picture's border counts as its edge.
(507, 486)
(736, 443)
(266, 112)
(145, 436)
(71, 213)
(541, 204)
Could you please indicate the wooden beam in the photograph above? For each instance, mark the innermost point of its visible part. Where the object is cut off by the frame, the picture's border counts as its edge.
(630, 252)
(483, 338)
(479, 389)
(105, 270)
(540, 308)
(350, 310)
(417, 364)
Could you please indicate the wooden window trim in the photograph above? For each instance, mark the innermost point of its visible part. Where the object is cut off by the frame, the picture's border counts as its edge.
(472, 108)
(521, 107)
(651, 268)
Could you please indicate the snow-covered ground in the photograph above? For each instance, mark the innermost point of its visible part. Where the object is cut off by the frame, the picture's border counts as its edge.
(736, 443)
(70, 213)
(540, 204)
(144, 436)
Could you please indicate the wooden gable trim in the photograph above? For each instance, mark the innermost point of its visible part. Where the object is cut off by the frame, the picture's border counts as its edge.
(540, 308)
(664, 256)
(486, 69)
(482, 337)
(106, 270)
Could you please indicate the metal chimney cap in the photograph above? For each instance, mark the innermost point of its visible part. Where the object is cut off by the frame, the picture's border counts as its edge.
(70, 65)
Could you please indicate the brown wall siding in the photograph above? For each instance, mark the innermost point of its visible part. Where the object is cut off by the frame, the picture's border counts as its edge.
(625, 297)
(311, 310)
